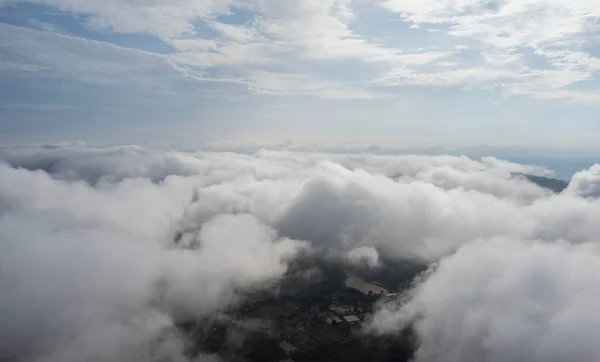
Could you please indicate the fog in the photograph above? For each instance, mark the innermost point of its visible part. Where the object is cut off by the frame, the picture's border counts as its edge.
(103, 250)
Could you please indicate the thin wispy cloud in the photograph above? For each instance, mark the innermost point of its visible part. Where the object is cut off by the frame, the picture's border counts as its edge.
(317, 54)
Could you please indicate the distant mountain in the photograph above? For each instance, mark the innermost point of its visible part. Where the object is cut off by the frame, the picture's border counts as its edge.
(549, 183)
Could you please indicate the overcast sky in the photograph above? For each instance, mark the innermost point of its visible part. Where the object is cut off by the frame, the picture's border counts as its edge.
(426, 72)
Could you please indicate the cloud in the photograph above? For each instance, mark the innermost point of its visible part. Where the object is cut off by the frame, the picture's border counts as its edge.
(164, 19)
(261, 42)
(586, 183)
(94, 165)
(102, 63)
(60, 56)
(505, 32)
(364, 256)
(505, 300)
(111, 246)
(93, 274)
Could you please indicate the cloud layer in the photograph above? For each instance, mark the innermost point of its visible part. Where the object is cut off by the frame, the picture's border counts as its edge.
(472, 44)
(112, 246)
(93, 273)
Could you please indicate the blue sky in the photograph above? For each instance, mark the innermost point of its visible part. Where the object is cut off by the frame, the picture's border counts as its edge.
(402, 72)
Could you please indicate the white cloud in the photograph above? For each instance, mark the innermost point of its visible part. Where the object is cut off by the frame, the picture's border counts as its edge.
(364, 256)
(535, 47)
(165, 19)
(93, 272)
(505, 300)
(89, 61)
(253, 53)
(554, 30)
(63, 56)
(88, 250)
(295, 193)
(586, 183)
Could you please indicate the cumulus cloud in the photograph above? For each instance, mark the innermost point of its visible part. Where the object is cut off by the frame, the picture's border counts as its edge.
(73, 293)
(364, 256)
(112, 246)
(586, 183)
(505, 300)
(92, 273)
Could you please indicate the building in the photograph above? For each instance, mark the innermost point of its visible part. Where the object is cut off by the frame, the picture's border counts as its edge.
(332, 319)
(341, 308)
(351, 318)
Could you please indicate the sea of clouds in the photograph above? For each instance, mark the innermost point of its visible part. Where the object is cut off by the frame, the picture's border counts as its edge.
(104, 249)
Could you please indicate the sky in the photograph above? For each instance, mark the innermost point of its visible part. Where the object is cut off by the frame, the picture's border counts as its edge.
(408, 73)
